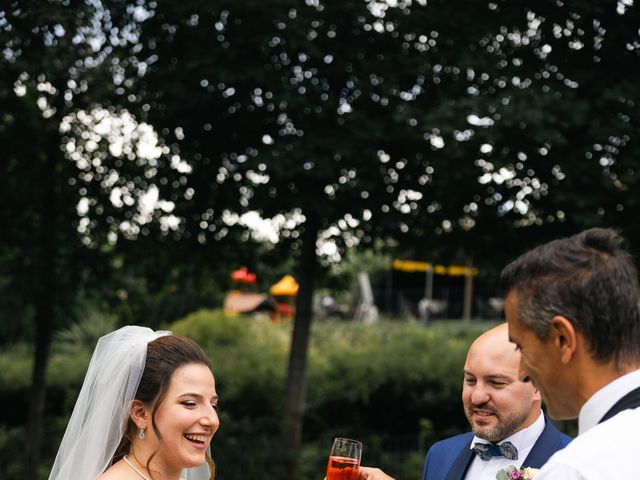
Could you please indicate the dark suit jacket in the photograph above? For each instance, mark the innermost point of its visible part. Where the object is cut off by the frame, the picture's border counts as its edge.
(449, 459)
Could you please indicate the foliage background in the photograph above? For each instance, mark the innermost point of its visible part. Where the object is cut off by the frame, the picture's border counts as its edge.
(394, 385)
(434, 130)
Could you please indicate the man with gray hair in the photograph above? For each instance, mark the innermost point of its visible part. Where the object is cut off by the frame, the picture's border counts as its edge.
(573, 313)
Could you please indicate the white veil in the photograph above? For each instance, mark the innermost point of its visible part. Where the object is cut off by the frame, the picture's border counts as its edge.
(99, 418)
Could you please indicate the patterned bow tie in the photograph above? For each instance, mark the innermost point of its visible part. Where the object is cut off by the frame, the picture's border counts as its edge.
(487, 450)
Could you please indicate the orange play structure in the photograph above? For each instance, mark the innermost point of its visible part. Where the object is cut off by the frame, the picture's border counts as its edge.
(285, 292)
(280, 303)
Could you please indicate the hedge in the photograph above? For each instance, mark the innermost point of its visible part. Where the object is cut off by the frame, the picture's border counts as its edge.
(394, 385)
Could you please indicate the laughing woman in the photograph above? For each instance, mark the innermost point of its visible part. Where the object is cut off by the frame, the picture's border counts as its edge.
(147, 410)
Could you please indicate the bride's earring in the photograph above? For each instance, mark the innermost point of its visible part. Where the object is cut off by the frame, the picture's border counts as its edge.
(141, 433)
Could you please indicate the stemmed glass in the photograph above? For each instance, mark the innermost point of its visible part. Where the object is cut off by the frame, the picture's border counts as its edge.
(344, 460)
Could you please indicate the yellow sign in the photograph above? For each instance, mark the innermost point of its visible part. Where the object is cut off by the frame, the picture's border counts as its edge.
(451, 270)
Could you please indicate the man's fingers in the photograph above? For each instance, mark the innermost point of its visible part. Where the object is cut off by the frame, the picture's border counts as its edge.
(368, 473)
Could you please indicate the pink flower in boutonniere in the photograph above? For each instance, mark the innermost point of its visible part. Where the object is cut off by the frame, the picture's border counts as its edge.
(514, 473)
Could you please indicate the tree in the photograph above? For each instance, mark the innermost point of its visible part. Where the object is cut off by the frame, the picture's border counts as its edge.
(38, 223)
(553, 118)
(53, 53)
(353, 121)
(407, 121)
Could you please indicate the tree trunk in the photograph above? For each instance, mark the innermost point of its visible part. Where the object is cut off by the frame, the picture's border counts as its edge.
(45, 298)
(296, 388)
(37, 391)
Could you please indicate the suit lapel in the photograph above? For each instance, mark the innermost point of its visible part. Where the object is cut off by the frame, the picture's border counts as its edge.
(461, 464)
(546, 445)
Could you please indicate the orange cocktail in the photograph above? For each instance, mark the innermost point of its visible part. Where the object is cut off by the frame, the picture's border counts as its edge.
(344, 460)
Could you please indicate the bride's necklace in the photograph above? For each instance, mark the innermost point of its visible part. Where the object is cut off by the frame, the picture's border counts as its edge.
(142, 475)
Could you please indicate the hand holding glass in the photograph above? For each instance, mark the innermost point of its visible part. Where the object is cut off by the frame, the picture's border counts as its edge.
(344, 461)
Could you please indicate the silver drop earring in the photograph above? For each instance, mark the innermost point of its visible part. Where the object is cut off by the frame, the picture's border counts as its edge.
(141, 433)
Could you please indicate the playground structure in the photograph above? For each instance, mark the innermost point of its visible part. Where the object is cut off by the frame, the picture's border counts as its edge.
(284, 292)
(366, 311)
(243, 299)
(451, 278)
(409, 289)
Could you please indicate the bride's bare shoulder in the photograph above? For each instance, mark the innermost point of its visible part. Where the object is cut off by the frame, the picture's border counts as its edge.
(117, 472)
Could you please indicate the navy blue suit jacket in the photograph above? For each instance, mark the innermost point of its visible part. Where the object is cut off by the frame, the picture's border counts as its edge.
(449, 459)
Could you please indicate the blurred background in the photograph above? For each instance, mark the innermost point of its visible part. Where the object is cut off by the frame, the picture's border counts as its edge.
(320, 193)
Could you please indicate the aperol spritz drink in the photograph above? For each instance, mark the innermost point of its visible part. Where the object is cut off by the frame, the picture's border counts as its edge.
(344, 460)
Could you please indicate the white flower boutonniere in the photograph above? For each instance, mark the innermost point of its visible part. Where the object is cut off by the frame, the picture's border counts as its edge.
(514, 473)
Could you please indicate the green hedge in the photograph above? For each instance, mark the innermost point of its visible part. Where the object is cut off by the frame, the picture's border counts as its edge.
(396, 386)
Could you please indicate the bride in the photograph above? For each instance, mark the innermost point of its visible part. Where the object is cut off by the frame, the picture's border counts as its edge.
(147, 410)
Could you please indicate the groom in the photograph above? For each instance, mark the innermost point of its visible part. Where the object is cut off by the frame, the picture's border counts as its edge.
(505, 416)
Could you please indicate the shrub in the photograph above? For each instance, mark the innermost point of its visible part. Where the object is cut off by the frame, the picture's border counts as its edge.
(395, 386)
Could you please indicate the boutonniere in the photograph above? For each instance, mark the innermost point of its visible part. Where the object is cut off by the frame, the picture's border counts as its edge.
(513, 473)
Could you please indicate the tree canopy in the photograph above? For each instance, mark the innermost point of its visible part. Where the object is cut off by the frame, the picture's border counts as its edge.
(438, 128)
(395, 120)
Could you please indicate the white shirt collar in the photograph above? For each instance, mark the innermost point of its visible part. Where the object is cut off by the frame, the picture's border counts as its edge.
(522, 439)
(605, 398)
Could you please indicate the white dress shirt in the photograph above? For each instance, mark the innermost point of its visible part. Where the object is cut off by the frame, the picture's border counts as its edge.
(523, 440)
(602, 451)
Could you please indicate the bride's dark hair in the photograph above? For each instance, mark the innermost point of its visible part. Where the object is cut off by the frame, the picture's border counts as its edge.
(164, 356)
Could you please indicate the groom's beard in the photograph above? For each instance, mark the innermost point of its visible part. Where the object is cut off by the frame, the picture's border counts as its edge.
(504, 425)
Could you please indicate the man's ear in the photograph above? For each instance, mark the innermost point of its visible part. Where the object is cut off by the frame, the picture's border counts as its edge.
(564, 338)
(537, 396)
(138, 413)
